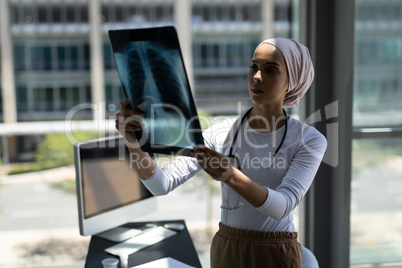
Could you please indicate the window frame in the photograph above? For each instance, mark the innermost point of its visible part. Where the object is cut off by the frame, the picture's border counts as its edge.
(326, 27)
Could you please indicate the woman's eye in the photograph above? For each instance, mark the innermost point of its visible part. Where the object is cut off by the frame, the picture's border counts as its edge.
(253, 67)
(270, 70)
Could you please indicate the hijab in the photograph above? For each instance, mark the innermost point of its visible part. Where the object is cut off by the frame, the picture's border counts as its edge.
(299, 66)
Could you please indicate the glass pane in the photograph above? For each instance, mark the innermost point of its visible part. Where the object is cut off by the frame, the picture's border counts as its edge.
(75, 95)
(376, 206)
(19, 57)
(63, 98)
(56, 14)
(49, 98)
(36, 57)
(83, 14)
(378, 64)
(1, 102)
(61, 57)
(74, 57)
(107, 56)
(38, 103)
(70, 14)
(376, 203)
(48, 58)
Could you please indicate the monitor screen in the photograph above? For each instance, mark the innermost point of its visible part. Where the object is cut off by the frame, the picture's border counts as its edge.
(103, 175)
(152, 73)
(109, 191)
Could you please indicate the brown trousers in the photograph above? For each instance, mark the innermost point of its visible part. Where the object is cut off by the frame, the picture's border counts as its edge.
(237, 248)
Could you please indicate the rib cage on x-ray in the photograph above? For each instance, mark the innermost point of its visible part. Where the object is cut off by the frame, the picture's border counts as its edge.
(154, 75)
(156, 79)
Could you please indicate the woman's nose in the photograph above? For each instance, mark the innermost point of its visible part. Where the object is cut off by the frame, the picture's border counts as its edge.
(257, 76)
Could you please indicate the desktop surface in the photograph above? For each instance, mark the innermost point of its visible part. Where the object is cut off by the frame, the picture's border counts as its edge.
(179, 247)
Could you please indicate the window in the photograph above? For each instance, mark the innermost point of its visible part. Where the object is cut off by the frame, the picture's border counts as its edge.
(26, 14)
(226, 13)
(19, 58)
(47, 58)
(1, 101)
(282, 12)
(107, 56)
(137, 13)
(74, 57)
(83, 14)
(43, 14)
(114, 94)
(375, 203)
(233, 54)
(56, 14)
(59, 56)
(379, 12)
(375, 236)
(70, 14)
(52, 97)
(36, 53)
(223, 54)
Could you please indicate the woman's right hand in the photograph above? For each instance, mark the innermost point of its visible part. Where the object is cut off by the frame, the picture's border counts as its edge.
(128, 123)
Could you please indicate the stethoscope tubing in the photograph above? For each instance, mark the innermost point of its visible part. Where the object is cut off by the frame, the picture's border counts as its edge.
(237, 132)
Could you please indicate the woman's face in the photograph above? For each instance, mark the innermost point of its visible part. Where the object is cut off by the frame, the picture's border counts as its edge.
(267, 78)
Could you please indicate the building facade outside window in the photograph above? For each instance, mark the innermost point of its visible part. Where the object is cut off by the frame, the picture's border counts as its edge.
(376, 208)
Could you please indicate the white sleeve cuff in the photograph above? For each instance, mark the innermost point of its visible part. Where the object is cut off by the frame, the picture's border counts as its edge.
(155, 183)
(274, 206)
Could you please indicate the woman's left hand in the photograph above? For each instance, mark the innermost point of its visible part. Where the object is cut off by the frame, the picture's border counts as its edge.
(217, 165)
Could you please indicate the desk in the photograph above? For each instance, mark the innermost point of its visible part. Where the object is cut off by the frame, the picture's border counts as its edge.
(179, 247)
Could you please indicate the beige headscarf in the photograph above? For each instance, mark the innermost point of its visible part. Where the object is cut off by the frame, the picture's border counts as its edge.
(299, 66)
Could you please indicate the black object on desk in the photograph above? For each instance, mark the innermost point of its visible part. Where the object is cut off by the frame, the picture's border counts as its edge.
(179, 247)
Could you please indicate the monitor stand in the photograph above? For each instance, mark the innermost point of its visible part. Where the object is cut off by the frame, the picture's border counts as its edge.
(119, 234)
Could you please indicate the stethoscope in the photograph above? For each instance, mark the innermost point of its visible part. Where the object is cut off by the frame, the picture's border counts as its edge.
(266, 162)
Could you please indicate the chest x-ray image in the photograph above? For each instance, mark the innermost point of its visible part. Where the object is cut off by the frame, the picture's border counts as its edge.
(152, 73)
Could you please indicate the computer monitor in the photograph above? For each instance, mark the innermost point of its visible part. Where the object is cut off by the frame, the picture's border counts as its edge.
(109, 192)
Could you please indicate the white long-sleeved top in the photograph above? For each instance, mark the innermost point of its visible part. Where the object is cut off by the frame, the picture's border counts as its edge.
(287, 180)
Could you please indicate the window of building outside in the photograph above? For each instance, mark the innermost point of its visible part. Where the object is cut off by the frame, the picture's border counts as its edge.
(1, 103)
(376, 204)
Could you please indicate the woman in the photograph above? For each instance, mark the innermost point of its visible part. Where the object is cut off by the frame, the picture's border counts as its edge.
(265, 160)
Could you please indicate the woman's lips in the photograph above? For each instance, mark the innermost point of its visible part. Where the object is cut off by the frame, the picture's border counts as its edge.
(256, 91)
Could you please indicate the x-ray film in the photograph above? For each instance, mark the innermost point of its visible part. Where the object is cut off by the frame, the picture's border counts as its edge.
(152, 73)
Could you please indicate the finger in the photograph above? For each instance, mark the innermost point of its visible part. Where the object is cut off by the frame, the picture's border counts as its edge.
(132, 129)
(128, 123)
(201, 155)
(125, 103)
(204, 149)
(127, 129)
(128, 112)
(201, 158)
(212, 164)
(200, 147)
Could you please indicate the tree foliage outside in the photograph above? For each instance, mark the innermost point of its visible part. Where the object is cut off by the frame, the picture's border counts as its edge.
(372, 153)
(55, 150)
